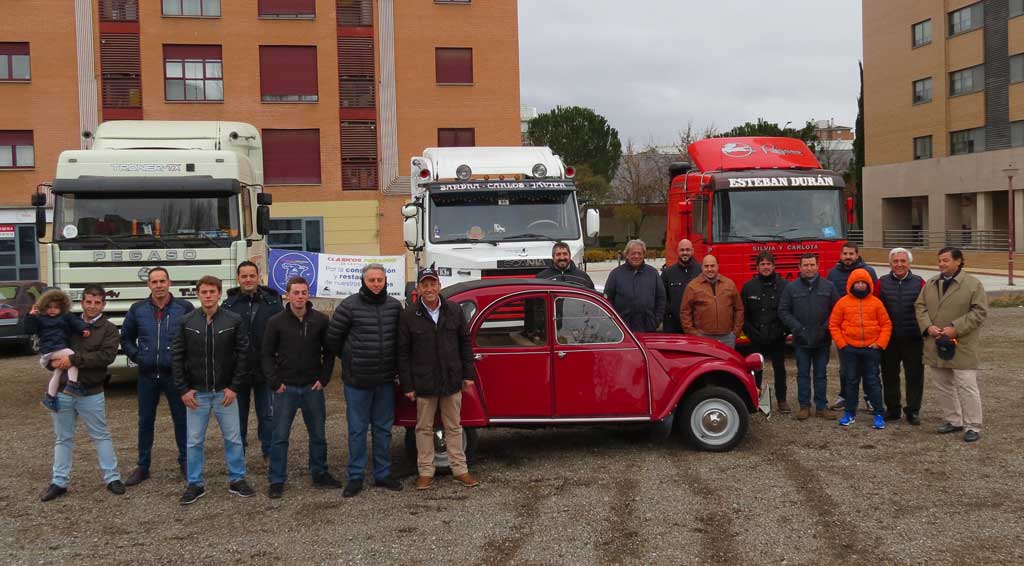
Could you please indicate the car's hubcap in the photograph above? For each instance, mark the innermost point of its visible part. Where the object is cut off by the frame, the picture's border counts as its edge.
(715, 421)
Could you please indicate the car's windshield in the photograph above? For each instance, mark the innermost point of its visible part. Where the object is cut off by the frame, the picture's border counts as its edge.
(778, 215)
(132, 220)
(503, 216)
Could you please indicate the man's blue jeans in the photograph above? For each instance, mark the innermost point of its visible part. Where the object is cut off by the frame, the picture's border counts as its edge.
(806, 360)
(365, 408)
(264, 428)
(862, 363)
(211, 403)
(92, 409)
(314, 413)
(150, 389)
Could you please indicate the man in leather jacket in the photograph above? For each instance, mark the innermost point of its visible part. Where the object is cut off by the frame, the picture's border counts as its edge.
(762, 324)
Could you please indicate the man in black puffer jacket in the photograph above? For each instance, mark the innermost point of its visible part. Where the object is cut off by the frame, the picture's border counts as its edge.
(208, 358)
(898, 291)
(564, 269)
(297, 363)
(364, 333)
(255, 304)
(435, 359)
(762, 324)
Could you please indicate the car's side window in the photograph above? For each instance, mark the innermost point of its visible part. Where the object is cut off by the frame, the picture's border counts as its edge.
(519, 323)
(468, 311)
(578, 321)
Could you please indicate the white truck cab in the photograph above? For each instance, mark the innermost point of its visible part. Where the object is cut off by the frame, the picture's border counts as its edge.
(489, 212)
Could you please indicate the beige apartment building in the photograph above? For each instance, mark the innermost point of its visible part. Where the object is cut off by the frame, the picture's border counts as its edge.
(943, 122)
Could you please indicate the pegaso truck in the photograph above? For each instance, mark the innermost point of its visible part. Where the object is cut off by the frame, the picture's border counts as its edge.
(491, 212)
(186, 196)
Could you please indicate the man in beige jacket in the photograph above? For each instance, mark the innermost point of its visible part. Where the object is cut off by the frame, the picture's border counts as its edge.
(950, 311)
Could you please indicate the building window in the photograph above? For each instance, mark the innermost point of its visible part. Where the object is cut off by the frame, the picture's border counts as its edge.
(119, 10)
(1017, 134)
(966, 81)
(1017, 68)
(291, 157)
(193, 73)
(923, 91)
(355, 13)
(921, 33)
(966, 19)
(923, 147)
(14, 62)
(17, 150)
(1016, 8)
(302, 234)
(288, 73)
(453, 65)
(18, 252)
(359, 156)
(456, 137)
(296, 9)
(192, 8)
(967, 141)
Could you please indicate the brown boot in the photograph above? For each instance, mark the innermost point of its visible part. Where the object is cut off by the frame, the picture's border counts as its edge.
(467, 480)
(784, 407)
(424, 482)
(803, 413)
(828, 414)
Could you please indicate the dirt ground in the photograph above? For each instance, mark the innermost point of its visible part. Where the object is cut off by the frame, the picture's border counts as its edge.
(791, 493)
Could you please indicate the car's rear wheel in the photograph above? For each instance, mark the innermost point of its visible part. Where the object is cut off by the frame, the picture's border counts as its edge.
(30, 347)
(470, 438)
(714, 419)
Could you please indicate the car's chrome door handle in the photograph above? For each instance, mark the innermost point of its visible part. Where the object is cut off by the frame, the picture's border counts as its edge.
(478, 357)
(562, 354)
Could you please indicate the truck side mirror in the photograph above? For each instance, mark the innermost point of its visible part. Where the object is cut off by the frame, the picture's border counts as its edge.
(593, 223)
(38, 199)
(40, 222)
(410, 210)
(263, 220)
(411, 233)
(264, 199)
(686, 208)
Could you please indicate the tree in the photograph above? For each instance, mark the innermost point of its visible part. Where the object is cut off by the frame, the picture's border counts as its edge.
(632, 216)
(639, 179)
(858, 153)
(581, 137)
(764, 128)
(591, 189)
(690, 135)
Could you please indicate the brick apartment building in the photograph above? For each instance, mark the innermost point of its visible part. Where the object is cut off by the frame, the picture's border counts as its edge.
(344, 93)
(943, 120)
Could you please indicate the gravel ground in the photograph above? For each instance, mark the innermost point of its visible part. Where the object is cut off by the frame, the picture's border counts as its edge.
(792, 493)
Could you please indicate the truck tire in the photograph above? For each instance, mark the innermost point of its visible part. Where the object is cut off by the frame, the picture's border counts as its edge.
(714, 419)
(470, 439)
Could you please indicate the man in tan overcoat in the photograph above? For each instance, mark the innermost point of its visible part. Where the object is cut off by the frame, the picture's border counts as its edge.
(950, 311)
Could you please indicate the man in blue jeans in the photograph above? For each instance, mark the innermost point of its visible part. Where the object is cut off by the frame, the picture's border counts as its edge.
(92, 356)
(297, 365)
(146, 335)
(209, 357)
(364, 333)
(804, 308)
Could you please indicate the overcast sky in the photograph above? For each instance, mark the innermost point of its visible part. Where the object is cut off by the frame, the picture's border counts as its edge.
(651, 66)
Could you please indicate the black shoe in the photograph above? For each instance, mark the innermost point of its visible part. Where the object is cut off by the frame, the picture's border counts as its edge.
(913, 418)
(53, 492)
(972, 436)
(137, 476)
(388, 483)
(326, 480)
(947, 428)
(889, 417)
(352, 488)
(116, 487)
(192, 493)
(276, 490)
(241, 488)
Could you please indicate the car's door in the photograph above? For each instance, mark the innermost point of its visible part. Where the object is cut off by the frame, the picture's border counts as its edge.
(512, 350)
(600, 370)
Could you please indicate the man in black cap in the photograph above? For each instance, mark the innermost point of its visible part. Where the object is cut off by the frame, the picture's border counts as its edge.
(435, 360)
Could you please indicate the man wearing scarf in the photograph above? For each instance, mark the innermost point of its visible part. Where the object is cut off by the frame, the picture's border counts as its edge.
(364, 334)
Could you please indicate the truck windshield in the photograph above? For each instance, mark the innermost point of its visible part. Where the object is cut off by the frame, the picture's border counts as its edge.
(503, 216)
(132, 221)
(774, 215)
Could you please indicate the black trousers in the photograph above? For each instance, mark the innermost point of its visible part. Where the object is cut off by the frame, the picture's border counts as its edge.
(776, 352)
(908, 351)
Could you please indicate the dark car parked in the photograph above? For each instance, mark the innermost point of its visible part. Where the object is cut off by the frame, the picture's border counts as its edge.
(16, 299)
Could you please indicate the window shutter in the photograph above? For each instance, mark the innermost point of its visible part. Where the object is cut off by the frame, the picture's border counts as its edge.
(291, 157)
(121, 70)
(359, 155)
(355, 72)
(453, 65)
(192, 52)
(456, 137)
(355, 13)
(17, 49)
(287, 7)
(16, 137)
(119, 10)
(288, 70)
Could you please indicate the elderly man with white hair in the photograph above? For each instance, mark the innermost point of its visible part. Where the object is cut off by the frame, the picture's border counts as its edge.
(636, 291)
(898, 291)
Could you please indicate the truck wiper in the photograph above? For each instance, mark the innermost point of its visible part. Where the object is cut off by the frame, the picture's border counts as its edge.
(777, 236)
(107, 239)
(739, 238)
(197, 235)
(465, 241)
(528, 236)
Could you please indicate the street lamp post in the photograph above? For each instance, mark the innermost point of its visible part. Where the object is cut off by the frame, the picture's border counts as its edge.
(1011, 172)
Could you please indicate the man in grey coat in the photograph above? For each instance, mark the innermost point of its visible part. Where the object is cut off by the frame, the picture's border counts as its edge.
(636, 291)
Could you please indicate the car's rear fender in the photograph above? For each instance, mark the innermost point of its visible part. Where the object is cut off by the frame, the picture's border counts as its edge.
(473, 413)
(710, 372)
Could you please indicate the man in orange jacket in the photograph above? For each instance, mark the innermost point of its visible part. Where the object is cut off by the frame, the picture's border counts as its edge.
(861, 329)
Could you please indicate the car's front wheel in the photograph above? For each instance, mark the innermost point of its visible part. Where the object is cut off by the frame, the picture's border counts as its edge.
(714, 419)
(470, 437)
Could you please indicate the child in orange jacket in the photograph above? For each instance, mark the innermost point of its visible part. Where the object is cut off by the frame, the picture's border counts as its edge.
(861, 329)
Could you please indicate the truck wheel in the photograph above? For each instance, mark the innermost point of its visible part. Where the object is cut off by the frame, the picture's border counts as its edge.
(714, 419)
(470, 439)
